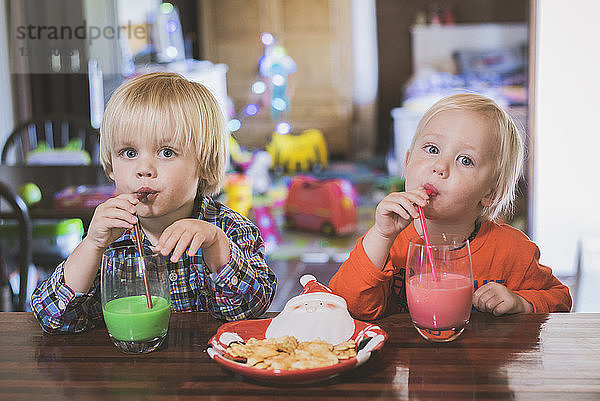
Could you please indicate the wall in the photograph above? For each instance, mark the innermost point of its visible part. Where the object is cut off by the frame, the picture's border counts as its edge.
(567, 133)
(394, 19)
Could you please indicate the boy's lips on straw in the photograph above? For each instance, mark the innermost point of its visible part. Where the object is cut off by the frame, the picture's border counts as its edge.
(430, 189)
(144, 194)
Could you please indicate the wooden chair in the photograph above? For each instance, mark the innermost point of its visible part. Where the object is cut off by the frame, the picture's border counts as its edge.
(10, 197)
(52, 131)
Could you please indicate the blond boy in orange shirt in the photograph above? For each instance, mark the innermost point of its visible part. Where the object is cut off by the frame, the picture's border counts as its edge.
(468, 154)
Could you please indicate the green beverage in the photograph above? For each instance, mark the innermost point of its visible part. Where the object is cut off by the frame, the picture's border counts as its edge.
(129, 319)
(125, 280)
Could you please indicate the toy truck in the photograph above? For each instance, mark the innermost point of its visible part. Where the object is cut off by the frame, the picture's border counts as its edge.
(327, 206)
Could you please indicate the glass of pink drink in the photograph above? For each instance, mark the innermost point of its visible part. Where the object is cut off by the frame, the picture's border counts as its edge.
(440, 304)
(132, 325)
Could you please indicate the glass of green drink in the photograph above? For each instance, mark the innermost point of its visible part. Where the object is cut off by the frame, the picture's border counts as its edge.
(132, 325)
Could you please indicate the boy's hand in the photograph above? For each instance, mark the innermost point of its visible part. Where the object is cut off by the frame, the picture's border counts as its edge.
(111, 219)
(397, 210)
(495, 298)
(194, 234)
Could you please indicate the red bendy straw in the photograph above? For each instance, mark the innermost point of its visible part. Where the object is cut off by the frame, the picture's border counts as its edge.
(426, 236)
(138, 244)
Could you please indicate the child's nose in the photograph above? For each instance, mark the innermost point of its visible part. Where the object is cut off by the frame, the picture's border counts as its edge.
(144, 173)
(439, 172)
(440, 169)
(145, 169)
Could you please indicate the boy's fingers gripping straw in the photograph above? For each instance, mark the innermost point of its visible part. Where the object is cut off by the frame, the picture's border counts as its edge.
(426, 236)
(138, 243)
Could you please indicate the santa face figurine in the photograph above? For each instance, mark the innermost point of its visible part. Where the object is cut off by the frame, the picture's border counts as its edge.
(316, 313)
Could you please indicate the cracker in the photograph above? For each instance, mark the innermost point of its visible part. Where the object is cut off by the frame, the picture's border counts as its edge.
(286, 352)
(345, 350)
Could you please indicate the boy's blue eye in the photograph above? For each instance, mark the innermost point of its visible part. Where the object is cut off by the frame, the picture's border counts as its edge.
(465, 161)
(432, 149)
(129, 153)
(167, 152)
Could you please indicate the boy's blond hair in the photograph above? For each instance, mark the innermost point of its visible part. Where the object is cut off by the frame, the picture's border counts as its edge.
(511, 150)
(166, 105)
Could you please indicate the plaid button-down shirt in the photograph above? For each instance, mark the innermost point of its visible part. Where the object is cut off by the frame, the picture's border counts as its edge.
(242, 288)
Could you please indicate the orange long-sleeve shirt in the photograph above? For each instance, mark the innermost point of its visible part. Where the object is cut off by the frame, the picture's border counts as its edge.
(499, 253)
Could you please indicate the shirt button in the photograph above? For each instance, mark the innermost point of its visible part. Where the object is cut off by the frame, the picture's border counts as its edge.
(234, 280)
(173, 276)
(61, 304)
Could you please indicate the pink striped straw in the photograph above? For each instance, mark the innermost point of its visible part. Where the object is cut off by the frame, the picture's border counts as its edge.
(426, 236)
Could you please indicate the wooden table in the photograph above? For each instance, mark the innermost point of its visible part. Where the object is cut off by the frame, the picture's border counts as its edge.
(533, 356)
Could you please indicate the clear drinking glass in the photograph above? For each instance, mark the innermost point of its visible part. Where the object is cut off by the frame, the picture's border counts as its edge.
(440, 306)
(132, 326)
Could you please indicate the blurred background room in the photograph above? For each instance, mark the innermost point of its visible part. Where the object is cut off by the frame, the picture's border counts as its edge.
(321, 99)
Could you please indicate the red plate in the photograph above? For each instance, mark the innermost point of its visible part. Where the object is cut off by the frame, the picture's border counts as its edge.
(245, 329)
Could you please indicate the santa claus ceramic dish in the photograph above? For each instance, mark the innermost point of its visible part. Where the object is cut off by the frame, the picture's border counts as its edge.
(317, 314)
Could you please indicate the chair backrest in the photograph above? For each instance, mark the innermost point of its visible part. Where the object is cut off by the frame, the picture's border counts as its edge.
(21, 213)
(52, 132)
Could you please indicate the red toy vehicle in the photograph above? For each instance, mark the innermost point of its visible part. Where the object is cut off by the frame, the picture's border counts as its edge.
(327, 206)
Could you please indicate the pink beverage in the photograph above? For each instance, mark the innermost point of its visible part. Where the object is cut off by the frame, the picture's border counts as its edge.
(442, 304)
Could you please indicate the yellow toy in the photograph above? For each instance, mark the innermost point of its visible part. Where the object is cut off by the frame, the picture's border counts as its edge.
(294, 153)
(238, 189)
(239, 156)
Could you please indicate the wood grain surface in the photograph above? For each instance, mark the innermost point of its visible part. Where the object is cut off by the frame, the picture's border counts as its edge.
(530, 356)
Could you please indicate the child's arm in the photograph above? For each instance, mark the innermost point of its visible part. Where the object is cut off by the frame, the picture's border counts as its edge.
(529, 286)
(365, 287)
(110, 220)
(59, 309)
(393, 214)
(192, 234)
(243, 286)
(364, 280)
(499, 300)
(543, 290)
(68, 300)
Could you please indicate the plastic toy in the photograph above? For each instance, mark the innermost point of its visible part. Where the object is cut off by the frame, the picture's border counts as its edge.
(327, 206)
(239, 156)
(31, 193)
(83, 196)
(49, 237)
(254, 164)
(71, 154)
(258, 171)
(275, 67)
(389, 184)
(294, 153)
(238, 189)
(267, 226)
